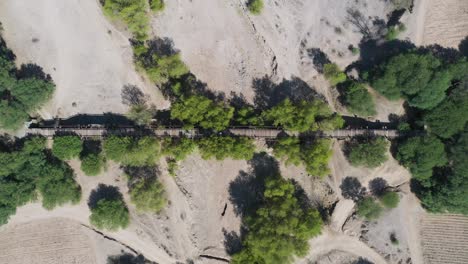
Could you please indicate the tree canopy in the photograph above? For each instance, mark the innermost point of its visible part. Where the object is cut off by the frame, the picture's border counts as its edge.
(92, 164)
(255, 6)
(148, 195)
(222, 147)
(304, 116)
(420, 155)
(280, 228)
(421, 79)
(132, 151)
(20, 94)
(110, 214)
(371, 153)
(451, 116)
(358, 100)
(133, 13)
(67, 147)
(333, 74)
(199, 110)
(390, 199)
(369, 208)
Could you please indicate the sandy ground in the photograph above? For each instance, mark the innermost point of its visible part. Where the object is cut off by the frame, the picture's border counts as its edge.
(88, 59)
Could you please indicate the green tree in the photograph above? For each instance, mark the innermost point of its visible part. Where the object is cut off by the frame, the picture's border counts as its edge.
(57, 186)
(157, 5)
(358, 100)
(110, 214)
(303, 117)
(199, 110)
(131, 151)
(247, 116)
(390, 199)
(288, 149)
(451, 116)
(371, 153)
(420, 79)
(255, 6)
(92, 164)
(67, 147)
(220, 147)
(333, 74)
(369, 209)
(131, 12)
(420, 155)
(141, 114)
(178, 148)
(280, 228)
(148, 196)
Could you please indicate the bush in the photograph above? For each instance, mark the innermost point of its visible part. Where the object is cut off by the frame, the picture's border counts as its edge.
(110, 214)
(255, 6)
(371, 154)
(157, 5)
(67, 147)
(131, 151)
(358, 100)
(148, 196)
(199, 110)
(333, 74)
(369, 209)
(303, 117)
(133, 13)
(420, 155)
(92, 164)
(218, 147)
(280, 228)
(390, 199)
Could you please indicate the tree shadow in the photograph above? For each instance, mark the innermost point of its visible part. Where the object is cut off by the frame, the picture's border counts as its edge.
(246, 191)
(268, 94)
(319, 58)
(395, 16)
(369, 27)
(103, 191)
(232, 242)
(447, 55)
(463, 47)
(5, 52)
(352, 189)
(127, 258)
(27, 71)
(142, 173)
(362, 260)
(378, 186)
(132, 95)
(91, 147)
(108, 120)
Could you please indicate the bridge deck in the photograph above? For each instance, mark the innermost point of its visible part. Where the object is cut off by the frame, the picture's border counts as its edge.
(177, 132)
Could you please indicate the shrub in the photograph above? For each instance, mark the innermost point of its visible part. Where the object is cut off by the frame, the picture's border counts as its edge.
(305, 116)
(199, 110)
(371, 154)
(157, 5)
(218, 147)
(358, 100)
(255, 6)
(131, 151)
(148, 196)
(92, 164)
(390, 199)
(280, 228)
(369, 209)
(110, 214)
(333, 74)
(132, 13)
(67, 147)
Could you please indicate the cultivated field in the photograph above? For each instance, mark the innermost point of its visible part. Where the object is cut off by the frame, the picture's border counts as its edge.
(445, 239)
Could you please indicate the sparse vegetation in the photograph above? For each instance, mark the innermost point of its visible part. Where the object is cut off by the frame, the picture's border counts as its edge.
(371, 153)
(280, 228)
(304, 116)
(67, 147)
(358, 100)
(333, 74)
(219, 147)
(369, 209)
(141, 114)
(255, 6)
